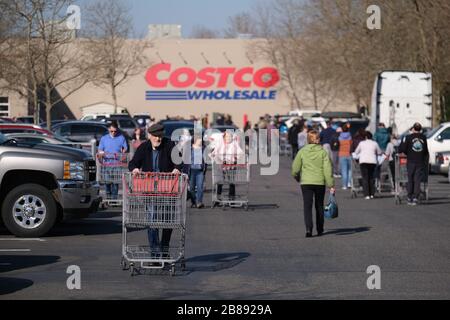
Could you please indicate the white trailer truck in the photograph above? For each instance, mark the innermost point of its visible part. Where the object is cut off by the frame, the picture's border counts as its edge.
(402, 98)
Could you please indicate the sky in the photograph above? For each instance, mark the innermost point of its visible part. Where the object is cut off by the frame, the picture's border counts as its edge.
(212, 14)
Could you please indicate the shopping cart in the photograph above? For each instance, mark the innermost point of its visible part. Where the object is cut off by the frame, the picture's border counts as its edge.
(110, 168)
(401, 180)
(285, 146)
(356, 181)
(384, 182)
(154, 201)
(231, 176)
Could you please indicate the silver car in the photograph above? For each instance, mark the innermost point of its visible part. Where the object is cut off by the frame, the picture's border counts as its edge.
(30, 138)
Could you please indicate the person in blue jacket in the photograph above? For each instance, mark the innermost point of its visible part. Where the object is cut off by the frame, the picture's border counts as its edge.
(111, 148)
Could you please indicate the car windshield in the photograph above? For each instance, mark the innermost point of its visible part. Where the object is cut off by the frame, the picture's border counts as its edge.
(127, 124)
(169, 128)
(431, 133)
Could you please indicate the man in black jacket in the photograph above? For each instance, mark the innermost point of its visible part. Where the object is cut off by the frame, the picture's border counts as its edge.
(293, 136)
(155, 155)
(416, 149)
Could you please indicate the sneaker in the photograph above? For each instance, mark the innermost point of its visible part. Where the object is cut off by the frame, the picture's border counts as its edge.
(415, 201)
(411, 203)
(372, 197)
(344, 188)
(367, 198)
(309, 235)
(200, 206)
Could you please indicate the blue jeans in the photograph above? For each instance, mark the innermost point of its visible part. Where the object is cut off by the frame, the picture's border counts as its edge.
(111, 175)
(346, 170)
(112, 191)
(156, 244)
(196, 180)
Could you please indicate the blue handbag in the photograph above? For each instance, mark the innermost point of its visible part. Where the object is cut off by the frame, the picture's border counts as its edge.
(331, 209)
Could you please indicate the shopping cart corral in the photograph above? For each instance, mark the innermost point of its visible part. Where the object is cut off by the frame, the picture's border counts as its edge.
(231, 183)
(154, 201)
(110, 169)
(401, 180)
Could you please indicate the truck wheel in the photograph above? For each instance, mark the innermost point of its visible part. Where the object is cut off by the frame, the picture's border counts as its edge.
(29, 211)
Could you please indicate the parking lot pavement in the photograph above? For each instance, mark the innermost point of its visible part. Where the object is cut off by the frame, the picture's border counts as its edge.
(259, 254)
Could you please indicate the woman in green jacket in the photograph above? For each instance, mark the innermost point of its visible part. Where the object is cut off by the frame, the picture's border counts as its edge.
(313, 169)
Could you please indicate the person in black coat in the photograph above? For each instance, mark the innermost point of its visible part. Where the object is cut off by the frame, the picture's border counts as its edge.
(293, 136)
(415, 148)
(155, 155)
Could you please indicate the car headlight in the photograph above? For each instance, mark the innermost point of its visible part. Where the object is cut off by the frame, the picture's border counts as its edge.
(74, 170)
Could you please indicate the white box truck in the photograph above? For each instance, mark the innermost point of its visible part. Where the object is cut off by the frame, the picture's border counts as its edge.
(400, 99)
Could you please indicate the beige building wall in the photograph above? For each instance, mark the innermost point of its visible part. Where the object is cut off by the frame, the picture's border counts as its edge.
(18, 105)
(196, 54)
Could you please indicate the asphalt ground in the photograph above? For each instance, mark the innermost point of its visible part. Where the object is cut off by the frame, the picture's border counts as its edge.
(257, 254)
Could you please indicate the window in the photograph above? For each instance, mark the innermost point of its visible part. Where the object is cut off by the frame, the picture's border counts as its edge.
(83, 130)
(445, 134)
(127, 124)
(63, 131)
(4, 107)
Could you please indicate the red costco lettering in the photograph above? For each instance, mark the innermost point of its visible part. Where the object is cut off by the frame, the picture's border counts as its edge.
(161, 75)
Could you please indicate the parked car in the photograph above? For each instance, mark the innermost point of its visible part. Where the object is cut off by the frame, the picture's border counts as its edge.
(42, 184)
(27, 119)
(142, 119)
(94, 117)
(170, 126)
(6, 128)
(442, 163)
(30, 138)
(126, 124)
(81, 131)
(6, 120)
(52, 123)
(438, 141)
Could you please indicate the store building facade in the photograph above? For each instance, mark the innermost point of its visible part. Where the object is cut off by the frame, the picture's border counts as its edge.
(194, 77)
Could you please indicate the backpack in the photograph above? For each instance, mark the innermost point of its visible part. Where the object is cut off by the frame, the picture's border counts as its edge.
(335, 143)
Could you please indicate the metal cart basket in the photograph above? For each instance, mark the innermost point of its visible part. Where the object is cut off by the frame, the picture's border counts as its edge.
(154, 201)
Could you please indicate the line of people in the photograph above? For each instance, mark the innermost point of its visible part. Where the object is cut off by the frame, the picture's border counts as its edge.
(317, 154)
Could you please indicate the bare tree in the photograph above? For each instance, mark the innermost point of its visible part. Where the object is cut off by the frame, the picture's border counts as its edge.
(114, 57)
(241, 23)
(202, 32)
(44, 60)
(306, 79)
(324, 47)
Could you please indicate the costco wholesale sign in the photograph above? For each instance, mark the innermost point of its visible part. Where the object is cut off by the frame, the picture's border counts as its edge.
(211, 83)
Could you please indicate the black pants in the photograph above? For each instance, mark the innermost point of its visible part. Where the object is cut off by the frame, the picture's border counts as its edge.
(416, 172)
(165, 239)
(392, 168)
(294, 150)
(317, 194)
(231, 192)
(368, 177)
